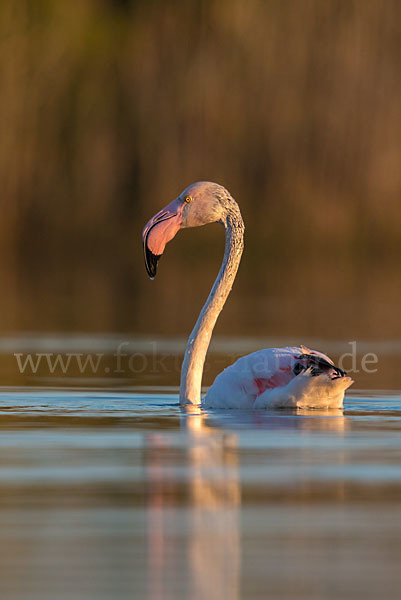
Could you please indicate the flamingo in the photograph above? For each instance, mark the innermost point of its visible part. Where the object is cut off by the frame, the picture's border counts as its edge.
(293, 377)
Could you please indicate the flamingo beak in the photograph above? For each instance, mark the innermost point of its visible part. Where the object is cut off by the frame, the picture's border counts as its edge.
(158, 231)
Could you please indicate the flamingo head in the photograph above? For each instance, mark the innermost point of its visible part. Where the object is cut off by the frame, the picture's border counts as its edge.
(199, 204)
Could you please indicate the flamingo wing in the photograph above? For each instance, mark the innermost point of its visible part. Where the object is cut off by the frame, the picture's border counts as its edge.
(242, 382)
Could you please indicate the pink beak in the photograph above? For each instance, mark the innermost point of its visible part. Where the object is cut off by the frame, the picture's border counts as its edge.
(158, 231)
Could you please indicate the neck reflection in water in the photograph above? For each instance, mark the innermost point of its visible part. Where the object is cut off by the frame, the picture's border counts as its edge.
(193, 503)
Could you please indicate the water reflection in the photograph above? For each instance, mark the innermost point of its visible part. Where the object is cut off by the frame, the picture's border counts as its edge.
(279, 420)
(203, 542)
(209, 556)
(119, 495)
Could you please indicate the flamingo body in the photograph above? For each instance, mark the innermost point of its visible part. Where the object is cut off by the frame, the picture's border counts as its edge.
(279, 378)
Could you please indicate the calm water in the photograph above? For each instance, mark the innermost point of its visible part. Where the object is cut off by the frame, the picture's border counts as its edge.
(120, 495)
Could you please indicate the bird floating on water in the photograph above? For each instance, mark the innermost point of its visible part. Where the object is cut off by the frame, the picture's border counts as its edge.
(294, 377)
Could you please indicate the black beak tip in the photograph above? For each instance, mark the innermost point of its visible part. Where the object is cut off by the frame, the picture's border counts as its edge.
(151, 261)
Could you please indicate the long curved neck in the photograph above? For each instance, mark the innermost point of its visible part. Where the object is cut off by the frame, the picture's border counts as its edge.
(198, 341)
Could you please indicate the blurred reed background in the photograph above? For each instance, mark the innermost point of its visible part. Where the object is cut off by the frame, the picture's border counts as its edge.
(110, 108)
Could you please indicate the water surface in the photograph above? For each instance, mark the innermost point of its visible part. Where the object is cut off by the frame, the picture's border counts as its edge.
(111, 494)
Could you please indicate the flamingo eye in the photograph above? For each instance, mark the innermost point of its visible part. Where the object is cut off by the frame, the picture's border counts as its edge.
(188, 199)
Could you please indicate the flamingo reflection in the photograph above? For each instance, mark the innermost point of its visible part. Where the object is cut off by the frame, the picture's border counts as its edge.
(193, 511)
